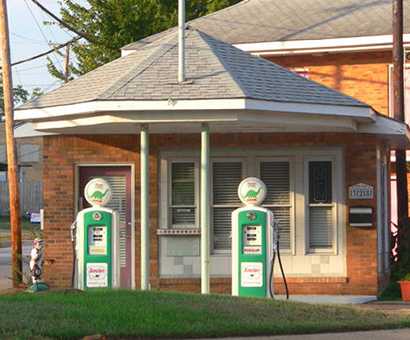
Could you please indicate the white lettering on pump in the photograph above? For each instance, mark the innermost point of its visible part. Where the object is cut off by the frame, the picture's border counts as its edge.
(251, 274)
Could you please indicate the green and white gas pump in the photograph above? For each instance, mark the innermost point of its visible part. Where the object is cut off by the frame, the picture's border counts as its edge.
(97, 239)
(254, 243)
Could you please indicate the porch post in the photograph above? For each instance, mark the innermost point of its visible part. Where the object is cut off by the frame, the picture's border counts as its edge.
(205, 209)
(144, 160)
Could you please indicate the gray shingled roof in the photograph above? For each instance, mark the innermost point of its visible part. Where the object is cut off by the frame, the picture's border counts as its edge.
(253, 21)
(215, 70)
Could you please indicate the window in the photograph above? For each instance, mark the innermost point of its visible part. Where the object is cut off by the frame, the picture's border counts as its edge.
(225, 181)
(320, 198)
(275, 175)
(183, 199)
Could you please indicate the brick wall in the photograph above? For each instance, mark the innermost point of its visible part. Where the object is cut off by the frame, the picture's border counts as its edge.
(364, 76)
(62, 153)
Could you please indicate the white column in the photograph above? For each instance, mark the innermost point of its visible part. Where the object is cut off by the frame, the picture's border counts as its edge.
(205, 209)
(145, 240)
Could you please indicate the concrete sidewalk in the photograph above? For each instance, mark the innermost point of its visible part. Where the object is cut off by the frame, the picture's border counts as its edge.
(395, 334)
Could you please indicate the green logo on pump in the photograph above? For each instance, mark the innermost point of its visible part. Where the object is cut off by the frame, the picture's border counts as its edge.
(252, 191)
(97, 192)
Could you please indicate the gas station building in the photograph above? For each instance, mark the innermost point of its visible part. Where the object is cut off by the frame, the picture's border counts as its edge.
(175, 153)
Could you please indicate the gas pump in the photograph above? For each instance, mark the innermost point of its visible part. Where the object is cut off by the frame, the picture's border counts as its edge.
(96, 236)
(255, 243)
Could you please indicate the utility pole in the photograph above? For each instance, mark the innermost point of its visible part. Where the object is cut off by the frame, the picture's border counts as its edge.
(398, 107)
(67, 64)
(15, 222)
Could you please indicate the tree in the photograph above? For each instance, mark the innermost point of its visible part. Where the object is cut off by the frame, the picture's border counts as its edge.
(114, 23)
(20, 95)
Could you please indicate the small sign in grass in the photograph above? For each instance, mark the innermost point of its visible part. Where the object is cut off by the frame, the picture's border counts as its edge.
(160, 314)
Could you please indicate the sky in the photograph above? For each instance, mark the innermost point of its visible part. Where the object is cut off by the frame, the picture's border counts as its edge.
(28, 37)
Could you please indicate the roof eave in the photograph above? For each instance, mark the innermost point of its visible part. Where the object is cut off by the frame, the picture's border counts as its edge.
(361, 113)
(363, 43)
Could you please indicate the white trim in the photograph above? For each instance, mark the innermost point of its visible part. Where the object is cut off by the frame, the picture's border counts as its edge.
(76, 197)
(364, 43)
(139, 109)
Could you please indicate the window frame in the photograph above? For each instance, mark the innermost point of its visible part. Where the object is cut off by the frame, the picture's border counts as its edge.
(298, 156)
(334, 205)
(168, 214)
(292, 202)
(244, 162)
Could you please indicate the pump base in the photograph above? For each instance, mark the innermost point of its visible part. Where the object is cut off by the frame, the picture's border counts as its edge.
(37, 287)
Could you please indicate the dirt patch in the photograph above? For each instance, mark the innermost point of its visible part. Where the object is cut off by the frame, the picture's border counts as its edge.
(398, 307)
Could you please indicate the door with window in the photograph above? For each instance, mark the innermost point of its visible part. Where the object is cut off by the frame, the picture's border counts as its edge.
(119, 178)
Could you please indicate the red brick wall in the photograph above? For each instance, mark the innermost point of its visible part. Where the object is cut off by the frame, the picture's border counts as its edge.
(62, 153)
(364, 76)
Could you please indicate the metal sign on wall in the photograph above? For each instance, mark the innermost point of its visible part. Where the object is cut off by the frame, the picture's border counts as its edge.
(361, 191)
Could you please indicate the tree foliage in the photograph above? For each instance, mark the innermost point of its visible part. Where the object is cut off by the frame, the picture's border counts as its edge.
(113, 24)
(20, 95)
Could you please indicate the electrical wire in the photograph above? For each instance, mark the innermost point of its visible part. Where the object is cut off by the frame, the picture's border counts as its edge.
(34, 41)
(46, 52)
(41, 31)
(66, 25)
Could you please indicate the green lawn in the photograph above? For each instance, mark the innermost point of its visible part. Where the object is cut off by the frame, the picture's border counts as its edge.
(159, 314)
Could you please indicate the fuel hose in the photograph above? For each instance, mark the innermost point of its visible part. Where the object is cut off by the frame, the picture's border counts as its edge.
(271, 293)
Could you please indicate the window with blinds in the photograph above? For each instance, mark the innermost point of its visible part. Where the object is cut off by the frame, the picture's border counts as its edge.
(321, 224)
(275, 175)
(225, 181)
(183, 202)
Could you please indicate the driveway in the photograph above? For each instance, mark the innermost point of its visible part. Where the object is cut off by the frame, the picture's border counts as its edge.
(5, 264)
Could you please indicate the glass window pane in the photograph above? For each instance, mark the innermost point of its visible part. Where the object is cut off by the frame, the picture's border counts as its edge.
(321, 227)
(183, 216)
(283, 215)
(222, 228)
(226, 179)
(320, 182)
(183, 184)
(275, 175)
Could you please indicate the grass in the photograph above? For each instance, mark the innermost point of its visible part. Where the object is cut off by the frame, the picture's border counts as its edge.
(124, 313)
(29, 230)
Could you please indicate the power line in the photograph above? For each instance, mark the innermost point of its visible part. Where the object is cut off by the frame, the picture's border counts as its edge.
(31, 68)
(46, 52)
(37, 24)
(34, 41)
(40, 29)
(66, 25)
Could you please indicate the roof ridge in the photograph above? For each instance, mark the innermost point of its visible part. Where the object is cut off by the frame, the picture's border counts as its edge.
(240, 3)
(270, 63)
(234, 79)
(156, 54)
(172, 29)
